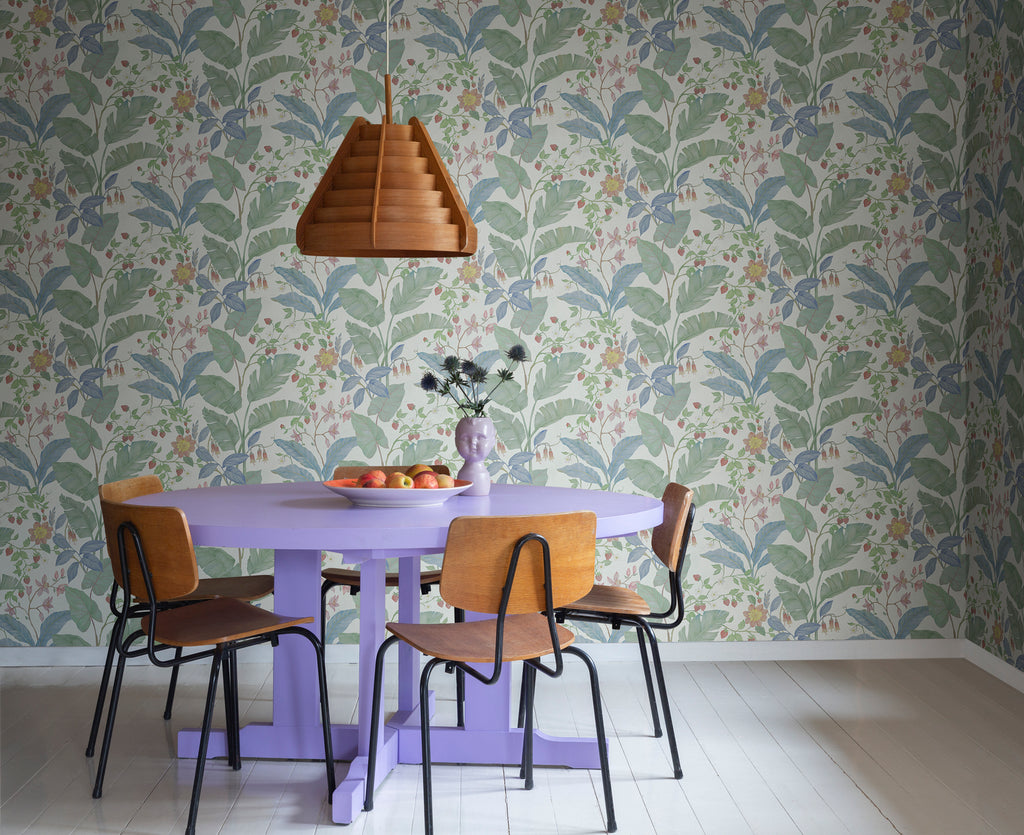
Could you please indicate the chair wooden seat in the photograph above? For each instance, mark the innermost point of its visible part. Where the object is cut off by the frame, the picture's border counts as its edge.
(247, 587)
(526, 636)
(216, 622)
(608, 599)
(350, 577)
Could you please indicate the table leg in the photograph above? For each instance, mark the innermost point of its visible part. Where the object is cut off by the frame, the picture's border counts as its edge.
(295, 732)
(347, 802)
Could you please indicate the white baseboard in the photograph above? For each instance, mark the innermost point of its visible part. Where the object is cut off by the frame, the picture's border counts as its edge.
(709, 651)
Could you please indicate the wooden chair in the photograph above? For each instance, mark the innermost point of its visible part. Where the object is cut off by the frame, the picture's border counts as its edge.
(619, 606)
(518, 568)
(156, 565)
(247, 587)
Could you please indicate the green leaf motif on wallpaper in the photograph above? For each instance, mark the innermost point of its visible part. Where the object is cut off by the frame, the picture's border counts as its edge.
(795, 599)
(799, 520)
(270, 376)
(841, 582)
(558, 27)
(219, 48)
(935, 475)
(219, 393)
(130, 459)
(844, 545)
(127, 118)
(76, 307)
(273, 201)
(219, 220)
(702, 113)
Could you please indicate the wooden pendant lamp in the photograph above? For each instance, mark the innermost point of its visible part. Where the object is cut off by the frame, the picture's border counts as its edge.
(386, 194)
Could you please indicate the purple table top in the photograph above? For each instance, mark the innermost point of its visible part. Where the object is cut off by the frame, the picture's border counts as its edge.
(306, 515)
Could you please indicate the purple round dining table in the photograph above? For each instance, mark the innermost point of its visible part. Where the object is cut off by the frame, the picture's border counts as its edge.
(299, 520)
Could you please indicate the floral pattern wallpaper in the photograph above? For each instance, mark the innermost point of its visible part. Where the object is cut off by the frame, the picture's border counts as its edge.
(770, 250)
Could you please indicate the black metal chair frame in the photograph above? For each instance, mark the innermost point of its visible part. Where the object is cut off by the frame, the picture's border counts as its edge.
(108, 664)
(223, 659)
(645, 625)
(530, 668)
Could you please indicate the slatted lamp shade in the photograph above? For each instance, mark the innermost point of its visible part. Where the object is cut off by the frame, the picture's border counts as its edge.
(386, 194)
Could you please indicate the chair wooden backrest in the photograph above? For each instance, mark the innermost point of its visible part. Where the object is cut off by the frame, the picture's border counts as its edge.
(347, 471)
(130, 488)
(479, 550)
(167, 549)
(669, 539)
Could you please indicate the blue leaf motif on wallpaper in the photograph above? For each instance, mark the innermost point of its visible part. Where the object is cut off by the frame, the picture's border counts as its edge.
(877, 628)
(309, 127)
(592, 469)
(881, 124)
(166, 214)
(305, 295)
(592, 295)
(735, 380)
(41, 129)
(452, 41)
(879, 466)
(25, 473)
(23, 300)
(737, 554)
(165, 384)
(593, 125)
(305, 467)
(164, 40)
(737, 38)
(880, 296)
(739, 211)
(991, 383)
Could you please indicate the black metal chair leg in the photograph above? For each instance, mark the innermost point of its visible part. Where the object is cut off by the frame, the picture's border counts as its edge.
(371, 758)
(325, 587)
(651, 698)
(669, 726)
(108, 731)
(172, 686)
(101, 697)
(602, 742)
(231, 716)
(428, 798)
(522, 700)
(530, 686)
(460, 682)
(325, 714)
(204, 739)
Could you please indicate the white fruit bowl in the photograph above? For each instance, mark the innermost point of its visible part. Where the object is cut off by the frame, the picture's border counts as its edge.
(397, 496)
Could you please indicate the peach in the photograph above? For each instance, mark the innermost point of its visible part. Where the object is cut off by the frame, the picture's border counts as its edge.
(445, 480)
(399, 480)
(425, 478)
(371, 475)
(372, 482)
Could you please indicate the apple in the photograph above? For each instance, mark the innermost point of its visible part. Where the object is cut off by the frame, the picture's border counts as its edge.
(372, 482)
(425, 478)
(416, 469)
(445, 480)
(372, 475)
(399, 480)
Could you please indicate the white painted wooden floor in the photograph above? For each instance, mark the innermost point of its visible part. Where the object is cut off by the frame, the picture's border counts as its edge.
(911, 746)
